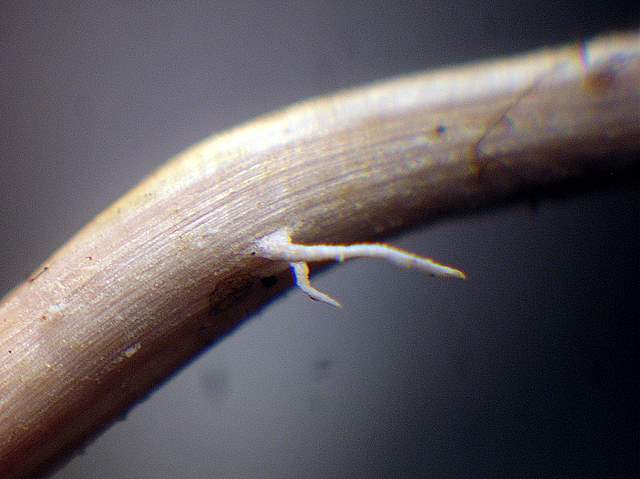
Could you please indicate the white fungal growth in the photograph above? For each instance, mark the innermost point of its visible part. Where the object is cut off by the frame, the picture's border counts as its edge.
(301, 273)
(279, 247)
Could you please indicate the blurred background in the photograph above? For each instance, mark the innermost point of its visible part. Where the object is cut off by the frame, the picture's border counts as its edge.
(528, 369)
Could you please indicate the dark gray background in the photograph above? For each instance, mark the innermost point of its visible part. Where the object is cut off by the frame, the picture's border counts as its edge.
(528, 369)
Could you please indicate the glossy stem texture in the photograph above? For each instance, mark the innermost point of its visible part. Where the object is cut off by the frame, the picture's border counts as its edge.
(172, 266)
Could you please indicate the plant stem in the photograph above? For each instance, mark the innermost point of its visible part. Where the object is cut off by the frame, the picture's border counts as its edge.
(171, 266)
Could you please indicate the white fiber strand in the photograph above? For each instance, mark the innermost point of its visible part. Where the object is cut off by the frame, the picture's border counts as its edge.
(301, 272)
(279, 247)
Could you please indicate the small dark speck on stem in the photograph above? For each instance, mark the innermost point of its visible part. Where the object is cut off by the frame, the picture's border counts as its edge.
(269, 281)
(37, 275)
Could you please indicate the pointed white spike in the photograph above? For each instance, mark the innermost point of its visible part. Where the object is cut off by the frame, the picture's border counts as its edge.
(301, 272)
(279, 247)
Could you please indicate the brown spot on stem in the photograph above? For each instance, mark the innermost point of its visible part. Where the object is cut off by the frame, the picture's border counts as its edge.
(228, 294)
(599, 80)
(38, 274)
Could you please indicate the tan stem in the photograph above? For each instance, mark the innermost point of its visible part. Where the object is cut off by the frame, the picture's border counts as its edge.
(170, 267)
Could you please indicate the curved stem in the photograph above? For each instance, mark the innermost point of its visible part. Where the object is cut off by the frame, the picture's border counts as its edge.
(170, 267)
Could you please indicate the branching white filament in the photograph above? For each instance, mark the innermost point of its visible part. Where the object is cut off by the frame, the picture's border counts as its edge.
(301, 273)
(279, 247)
